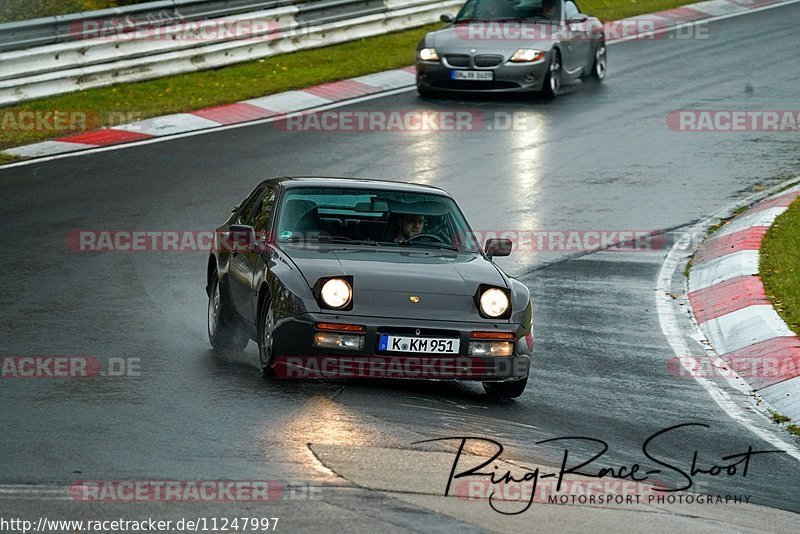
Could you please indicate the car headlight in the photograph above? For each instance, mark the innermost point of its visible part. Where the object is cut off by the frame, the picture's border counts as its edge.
(428, 54)
(527, 55)
(494, 302)
(336, 293)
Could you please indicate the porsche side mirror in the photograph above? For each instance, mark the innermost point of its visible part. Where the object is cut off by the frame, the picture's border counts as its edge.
(498, 247)
(580, 18)
(242, 236)
(447, 17)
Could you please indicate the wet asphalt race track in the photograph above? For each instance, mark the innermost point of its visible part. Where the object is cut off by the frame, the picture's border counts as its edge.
(595, 159)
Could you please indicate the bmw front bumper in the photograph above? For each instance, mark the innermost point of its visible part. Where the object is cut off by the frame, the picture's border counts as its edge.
(507, 77)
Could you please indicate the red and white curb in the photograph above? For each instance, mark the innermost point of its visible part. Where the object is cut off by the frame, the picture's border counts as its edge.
(731, 307)
(273, 106)
(278, 105)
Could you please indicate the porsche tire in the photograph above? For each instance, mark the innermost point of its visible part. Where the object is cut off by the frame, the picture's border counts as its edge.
(505, 390)
(224, 333)
(266, 338)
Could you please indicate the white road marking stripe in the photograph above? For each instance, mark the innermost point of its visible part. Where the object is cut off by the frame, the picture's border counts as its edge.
(34, 492)
(724, 268)
(672, 331)
(728, 15)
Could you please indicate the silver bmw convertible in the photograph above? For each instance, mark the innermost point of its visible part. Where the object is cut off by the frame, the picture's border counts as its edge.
(512, 46)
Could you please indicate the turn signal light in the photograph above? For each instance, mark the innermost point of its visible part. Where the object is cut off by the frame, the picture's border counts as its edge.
(510, 336)
(340, 327)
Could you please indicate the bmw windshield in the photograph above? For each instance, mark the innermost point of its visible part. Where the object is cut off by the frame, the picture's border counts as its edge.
(509, 10)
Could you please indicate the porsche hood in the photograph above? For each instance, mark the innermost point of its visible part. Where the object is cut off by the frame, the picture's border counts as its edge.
(385, 280)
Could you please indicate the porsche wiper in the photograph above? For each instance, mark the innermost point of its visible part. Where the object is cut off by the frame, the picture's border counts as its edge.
(344, 239)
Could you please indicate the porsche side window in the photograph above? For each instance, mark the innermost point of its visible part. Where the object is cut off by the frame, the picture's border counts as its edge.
(263, 210)
(570, 9)
(246, 207)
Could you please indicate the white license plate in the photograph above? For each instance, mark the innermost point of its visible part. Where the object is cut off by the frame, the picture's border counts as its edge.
(481, 75)
(429, 345)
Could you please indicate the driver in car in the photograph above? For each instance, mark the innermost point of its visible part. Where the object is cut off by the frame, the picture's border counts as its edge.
(409, 226)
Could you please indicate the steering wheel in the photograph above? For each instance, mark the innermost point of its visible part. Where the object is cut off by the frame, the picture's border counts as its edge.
(432, 236)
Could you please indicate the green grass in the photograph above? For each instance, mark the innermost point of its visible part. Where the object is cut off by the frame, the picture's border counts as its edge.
(7, 158)
(11, 10)
(779, 265)
(794, 429)
(187, 92)
(778, 418)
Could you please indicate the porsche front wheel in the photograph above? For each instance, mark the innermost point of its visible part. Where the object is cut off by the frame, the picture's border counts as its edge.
(505, 390)
(266, 334)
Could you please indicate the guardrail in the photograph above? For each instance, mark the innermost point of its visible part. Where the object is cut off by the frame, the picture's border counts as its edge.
(104, 51)
(62, 28)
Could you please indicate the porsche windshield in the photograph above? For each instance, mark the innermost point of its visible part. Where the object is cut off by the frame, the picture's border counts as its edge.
(373, 217)
(510, 10)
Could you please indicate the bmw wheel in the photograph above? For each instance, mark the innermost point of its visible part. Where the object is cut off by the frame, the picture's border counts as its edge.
(223, 332)
(600, 65)
(552, 80)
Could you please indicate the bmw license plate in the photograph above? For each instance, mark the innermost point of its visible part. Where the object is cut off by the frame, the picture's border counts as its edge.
(479, 75)
(429, 345)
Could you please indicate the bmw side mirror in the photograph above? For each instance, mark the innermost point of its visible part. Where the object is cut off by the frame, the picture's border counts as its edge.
(498, 247)
(447, 17)
(580, 18)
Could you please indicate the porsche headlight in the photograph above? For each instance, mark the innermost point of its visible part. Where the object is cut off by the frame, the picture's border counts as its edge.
(527, 55)
(494, 302)
(428, 54)
(336, 293)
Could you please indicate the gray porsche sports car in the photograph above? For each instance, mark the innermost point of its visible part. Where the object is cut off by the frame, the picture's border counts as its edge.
(512, 46)
(337, 277)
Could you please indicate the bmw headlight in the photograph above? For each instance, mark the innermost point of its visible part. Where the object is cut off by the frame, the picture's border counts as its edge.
(336, 293)
(527, 55)
(494, 302)
(428, 54)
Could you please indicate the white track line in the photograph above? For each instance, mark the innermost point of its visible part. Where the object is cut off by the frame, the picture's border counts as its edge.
(350, 101)
(701, 21)
(671, 329)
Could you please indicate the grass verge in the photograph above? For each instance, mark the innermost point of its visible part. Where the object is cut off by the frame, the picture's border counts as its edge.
(779, 265)
(187, 92)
